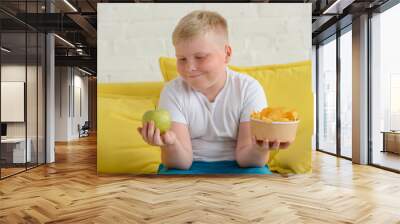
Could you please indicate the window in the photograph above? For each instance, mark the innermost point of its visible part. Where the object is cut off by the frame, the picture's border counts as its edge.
(394, 119)
(327, 97)
(346, 94)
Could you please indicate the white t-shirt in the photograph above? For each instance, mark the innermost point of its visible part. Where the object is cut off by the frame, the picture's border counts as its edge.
(213, 126)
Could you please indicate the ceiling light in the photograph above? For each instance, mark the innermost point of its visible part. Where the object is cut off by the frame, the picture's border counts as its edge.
(338, 6)
(84, 71)
(5, 50)
(329, 9)
(70, 5)
(64, 40)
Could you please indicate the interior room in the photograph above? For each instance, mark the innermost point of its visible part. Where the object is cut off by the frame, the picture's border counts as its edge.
(78, 76)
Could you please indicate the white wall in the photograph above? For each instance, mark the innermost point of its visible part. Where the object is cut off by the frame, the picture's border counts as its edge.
(33, 127)
(69, 79)
(62, 81)
(15, 72)
(81, 84)
(131, 37)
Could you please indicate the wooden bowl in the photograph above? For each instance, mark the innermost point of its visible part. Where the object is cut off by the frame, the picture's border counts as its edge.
(281, 131)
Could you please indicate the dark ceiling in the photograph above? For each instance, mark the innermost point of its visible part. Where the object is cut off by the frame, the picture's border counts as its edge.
(77, 22)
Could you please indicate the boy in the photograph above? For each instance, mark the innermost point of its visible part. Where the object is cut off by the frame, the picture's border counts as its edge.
(210, 105)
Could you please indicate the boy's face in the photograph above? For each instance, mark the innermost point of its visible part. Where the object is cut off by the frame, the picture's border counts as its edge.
(201, 61)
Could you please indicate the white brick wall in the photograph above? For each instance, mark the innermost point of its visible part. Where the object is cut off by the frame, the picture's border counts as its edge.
(131, 37)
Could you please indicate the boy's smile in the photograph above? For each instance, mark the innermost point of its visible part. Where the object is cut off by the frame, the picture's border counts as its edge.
(201, 61)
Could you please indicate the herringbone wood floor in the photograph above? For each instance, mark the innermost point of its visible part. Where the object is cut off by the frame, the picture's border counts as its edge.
(70, 191)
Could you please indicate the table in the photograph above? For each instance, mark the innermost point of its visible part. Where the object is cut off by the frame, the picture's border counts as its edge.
(391, 141)
(16, 147)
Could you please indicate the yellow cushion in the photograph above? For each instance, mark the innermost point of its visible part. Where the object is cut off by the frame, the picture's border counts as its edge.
(149, 90)
(120, 148)
(287, 85)
(144, 89)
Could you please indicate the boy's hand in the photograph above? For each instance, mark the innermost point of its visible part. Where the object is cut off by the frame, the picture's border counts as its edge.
(152, 136)
(266, 145)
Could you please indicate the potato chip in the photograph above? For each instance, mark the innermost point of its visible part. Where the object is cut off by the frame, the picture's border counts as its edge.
(271, 114)
(266, 120)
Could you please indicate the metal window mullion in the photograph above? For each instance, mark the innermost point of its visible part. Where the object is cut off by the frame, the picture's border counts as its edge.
(317, 96)
(72, 92)
(369, 89)
(0, 93)
(26, 87)
(60, 90)
(37, 91)
(338, 98)
(69, 92)
(45, 95)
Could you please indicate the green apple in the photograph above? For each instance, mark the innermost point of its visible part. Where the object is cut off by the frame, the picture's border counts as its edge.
(161, 118)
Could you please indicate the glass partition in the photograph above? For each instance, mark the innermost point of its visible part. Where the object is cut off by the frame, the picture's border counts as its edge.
(13, 105)
(22, 77)
(385, 89)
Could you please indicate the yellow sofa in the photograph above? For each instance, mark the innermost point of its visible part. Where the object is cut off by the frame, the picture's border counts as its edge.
(120, 149)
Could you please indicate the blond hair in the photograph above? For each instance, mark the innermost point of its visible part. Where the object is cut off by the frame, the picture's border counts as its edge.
(200, 22)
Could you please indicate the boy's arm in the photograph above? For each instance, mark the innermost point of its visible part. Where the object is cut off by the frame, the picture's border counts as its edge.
(175, 144)
(249, 154)
(253, 153)
(178, 154)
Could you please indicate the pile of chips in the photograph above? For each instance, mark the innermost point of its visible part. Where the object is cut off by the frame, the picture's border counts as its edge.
(271, 114)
